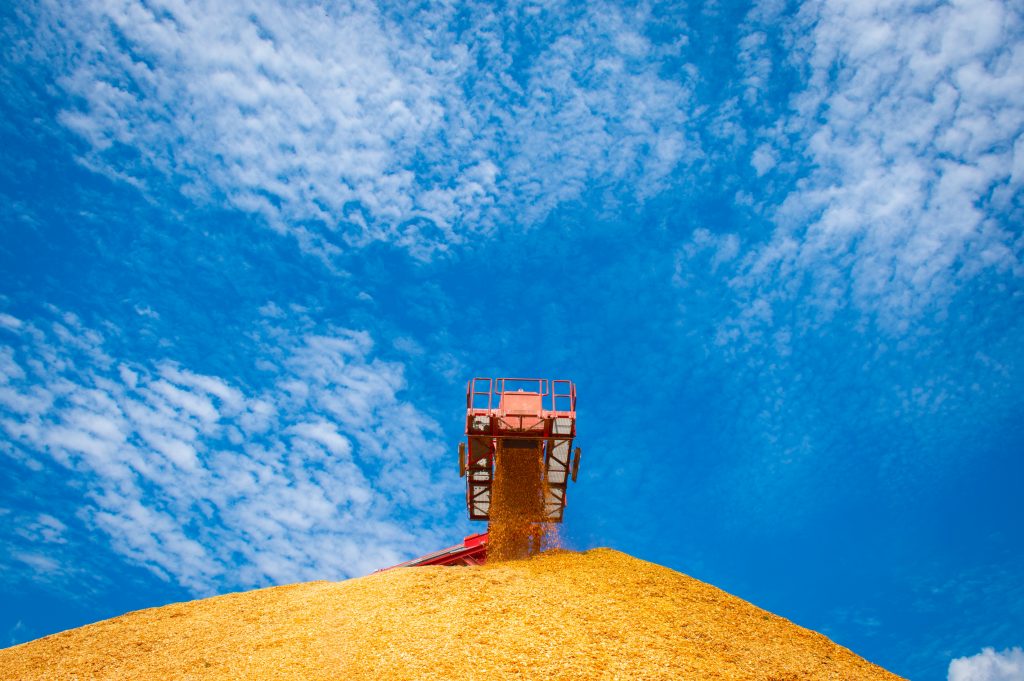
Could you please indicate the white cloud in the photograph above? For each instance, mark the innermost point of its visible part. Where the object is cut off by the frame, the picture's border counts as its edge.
(909, 119)
(9, 322)
(989, 665)
(270, 309)
(43, 528)
(887, 188)
(210, 484)
(344, 126)
(299, 114)
(591, 111)
(764, 159)
(17, 634)
(38, 562)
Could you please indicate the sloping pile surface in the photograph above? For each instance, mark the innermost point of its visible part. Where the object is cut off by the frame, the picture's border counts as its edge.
(560, 615)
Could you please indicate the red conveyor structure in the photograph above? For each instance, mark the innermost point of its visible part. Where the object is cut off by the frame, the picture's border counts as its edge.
(512, 414)
(519, 413)
(472, 551)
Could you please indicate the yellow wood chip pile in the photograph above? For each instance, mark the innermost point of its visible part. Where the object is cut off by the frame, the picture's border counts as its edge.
(559, 615)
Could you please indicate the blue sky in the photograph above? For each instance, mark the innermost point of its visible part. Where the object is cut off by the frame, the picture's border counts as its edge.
(251, 255)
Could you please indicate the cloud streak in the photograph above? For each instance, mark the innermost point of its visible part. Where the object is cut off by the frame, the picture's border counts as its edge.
(348, 126)
(886, 191)
(327, 473)
(909, 123)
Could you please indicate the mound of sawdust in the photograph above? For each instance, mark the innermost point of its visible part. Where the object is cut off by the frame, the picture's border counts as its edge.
(561, 615)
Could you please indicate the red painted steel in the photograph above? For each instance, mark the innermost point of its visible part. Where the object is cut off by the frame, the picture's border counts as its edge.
(520, 412)
(472, 551)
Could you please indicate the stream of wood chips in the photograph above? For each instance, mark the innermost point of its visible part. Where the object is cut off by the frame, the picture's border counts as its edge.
(516, 528)
(560, 615)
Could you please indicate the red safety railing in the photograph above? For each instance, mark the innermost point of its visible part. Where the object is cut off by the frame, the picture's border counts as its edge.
(484, 394)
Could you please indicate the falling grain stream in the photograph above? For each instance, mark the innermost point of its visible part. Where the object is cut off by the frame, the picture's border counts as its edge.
(517, 528)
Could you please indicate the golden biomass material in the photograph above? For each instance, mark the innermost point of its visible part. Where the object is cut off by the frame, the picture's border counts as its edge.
(560, 615)
(515, 529)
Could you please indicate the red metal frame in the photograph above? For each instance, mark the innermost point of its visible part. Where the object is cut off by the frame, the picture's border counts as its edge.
(552, 397)
(532, 409)
(543, 418)
(472, 551)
